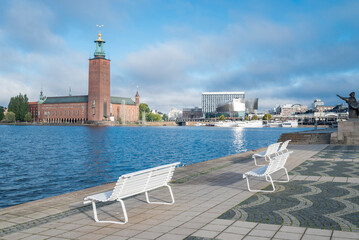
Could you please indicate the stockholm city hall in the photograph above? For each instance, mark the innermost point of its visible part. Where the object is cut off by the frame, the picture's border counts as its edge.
(97, 106)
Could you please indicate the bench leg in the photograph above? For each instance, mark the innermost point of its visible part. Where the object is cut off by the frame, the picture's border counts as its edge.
(286, 173)
(123, 209)
(167, 203)
(251, 190)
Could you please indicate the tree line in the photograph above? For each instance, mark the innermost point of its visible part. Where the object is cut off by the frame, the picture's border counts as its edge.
(18, 110)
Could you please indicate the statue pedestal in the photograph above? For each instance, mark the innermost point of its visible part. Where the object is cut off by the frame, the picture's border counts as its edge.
(348, 133)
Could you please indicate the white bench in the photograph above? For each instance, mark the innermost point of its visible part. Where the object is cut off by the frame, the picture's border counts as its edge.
(135, 183)
(283, 147)
(276, 163)
(271, 150)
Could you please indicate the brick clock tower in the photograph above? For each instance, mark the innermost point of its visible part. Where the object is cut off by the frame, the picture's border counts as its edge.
(99, 97)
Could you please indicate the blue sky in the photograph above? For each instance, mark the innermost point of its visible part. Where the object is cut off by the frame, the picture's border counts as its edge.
(279, 51)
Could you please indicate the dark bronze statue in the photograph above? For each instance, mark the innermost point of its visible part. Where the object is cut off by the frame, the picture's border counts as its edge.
(353, 105)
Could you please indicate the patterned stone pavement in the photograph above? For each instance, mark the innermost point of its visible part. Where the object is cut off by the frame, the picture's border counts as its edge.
(323, 205)
(338, 152)
(328, 168)
(203, 192)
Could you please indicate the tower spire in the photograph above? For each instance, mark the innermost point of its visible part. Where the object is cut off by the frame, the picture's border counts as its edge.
(137, 97)
(99, 52)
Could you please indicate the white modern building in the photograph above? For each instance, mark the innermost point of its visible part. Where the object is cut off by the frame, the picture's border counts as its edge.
(317, 103)
(174, 114)
(211, 100)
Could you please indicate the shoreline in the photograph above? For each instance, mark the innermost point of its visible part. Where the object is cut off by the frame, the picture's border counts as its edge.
(147, 124)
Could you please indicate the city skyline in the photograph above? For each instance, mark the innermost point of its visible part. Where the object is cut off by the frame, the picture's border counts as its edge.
(279, 51)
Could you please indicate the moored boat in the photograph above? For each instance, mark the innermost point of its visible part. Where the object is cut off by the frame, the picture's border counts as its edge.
(290, 124)
(250, 124)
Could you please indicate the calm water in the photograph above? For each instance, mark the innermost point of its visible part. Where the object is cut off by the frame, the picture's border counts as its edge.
(42, 161)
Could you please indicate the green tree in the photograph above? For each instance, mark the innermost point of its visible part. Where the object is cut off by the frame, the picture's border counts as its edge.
(267, 116)
(255, 117)
(28, 117)
(2, 110)
(10, 117)
(153, 117)
(20, 106)
(119, 120)
(246, 118)
(222, 118)
(143, 108)
(164, 117)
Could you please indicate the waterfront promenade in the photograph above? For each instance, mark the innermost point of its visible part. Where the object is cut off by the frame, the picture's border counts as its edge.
(212, 202)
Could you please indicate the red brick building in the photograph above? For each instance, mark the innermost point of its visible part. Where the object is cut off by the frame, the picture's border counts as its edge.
(97, 106)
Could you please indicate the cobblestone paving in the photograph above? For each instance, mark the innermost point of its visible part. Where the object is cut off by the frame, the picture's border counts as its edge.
(328, 168)
(342, 148)
(323, 205)
(338, 152)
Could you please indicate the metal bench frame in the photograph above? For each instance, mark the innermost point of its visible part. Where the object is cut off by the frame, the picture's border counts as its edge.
(275, 164)
(135, 183)
(271, 150)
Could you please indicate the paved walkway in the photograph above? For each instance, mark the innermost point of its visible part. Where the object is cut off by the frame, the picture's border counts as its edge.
(205, 194)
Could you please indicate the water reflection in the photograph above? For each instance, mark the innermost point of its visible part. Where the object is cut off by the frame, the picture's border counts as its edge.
(238, 140)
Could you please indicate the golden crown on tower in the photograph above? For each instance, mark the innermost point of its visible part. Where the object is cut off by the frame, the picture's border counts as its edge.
(99, 34)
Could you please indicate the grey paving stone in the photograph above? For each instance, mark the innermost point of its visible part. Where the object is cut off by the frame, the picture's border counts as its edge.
(115, 238)
(245, 224)
(288, 236)
(320, 232)
(353, 180)
(238, 230)
(270, 227)
(229, 236)
(292, 229)
(148, 235)
(340, 179)
(170, 236)
(182, 230)
(262, 233)
(353, 235)
(224, 222)
(315, 237)
(206, 233)
(214, 227)
(256, 238)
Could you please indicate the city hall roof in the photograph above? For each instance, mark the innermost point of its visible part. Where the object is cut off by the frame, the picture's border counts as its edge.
(84, 99)
(67, 99)
(120, 100)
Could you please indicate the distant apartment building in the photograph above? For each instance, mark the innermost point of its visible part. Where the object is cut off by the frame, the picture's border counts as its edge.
(300, 108)
(192, 113)
(317, 103)
(287, 110)
(324, 108)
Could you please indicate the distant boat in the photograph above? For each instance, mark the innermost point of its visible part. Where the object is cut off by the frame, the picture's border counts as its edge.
(225, 124)
(274, 124)
(290, 124)
(250, 124)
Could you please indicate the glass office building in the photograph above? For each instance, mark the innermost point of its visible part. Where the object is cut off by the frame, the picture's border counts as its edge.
(211, 100)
